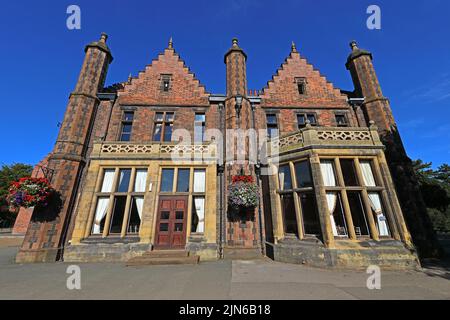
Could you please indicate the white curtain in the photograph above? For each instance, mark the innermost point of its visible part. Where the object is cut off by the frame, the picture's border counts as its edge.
(200, 211)
(329, 180)
(326, 167)
(141, 179)
(108, 179)
(331, 200)
(100, 213)
(199, 180)
(368, 178)
(281, 177)
(139, 205)
(375, 203)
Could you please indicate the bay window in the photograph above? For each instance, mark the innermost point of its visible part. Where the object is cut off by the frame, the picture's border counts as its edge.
(119, 202)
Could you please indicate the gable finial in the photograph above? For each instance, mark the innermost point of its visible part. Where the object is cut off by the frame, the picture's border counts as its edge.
(170, 43)
(354, 45)
(293, 48)
(130, 77)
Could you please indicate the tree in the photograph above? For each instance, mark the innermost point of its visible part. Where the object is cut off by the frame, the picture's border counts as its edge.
(8, 174)
(435, 188)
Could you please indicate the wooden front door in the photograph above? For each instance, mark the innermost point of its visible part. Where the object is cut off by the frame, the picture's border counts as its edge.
(171, 223)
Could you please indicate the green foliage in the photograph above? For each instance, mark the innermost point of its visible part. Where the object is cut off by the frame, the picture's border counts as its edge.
(8, 174)
(435, 188)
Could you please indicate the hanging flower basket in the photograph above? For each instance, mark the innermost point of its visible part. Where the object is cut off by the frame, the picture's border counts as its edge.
(29, 192)
(243, 193)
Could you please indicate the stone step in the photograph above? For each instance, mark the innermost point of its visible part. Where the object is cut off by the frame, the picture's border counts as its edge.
(166, 253)
(147, 261)
(242, 253)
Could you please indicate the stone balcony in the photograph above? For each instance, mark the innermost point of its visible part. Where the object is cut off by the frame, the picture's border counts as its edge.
(153, 150)
(327, 137)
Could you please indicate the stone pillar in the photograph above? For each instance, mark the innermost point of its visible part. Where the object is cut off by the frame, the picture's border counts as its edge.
(46, 235)
(376, 108)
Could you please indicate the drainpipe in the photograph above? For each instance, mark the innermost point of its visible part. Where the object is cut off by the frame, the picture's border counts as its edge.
(220, 171)
(258, 178)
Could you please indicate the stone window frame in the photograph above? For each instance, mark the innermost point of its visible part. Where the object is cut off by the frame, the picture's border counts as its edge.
(272, 112)
(305, 113)
(342, 190)
(163, 78)
(303, 81)
(129, 194)
(124, 122)
(163, 123)
(296, 191)
(346, 117)
(190, 194)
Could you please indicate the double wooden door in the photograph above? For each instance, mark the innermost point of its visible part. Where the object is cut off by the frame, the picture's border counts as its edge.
(171, 222)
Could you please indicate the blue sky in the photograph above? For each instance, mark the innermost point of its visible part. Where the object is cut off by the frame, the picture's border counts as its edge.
(40, 58)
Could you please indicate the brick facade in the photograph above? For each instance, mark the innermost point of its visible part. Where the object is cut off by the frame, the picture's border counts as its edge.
(94, 116)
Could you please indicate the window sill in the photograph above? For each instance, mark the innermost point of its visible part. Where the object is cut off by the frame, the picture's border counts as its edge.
(112, 239)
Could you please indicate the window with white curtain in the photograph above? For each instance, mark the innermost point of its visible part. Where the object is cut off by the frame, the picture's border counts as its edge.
(199, 180)
(113, 202)
(376, 205)
(198, 215)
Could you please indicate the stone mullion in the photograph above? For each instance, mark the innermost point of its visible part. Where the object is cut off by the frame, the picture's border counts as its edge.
(366, 202)
(343, 193)
(404, 233)
(128, 204)
(298, 207)
(277, 211)
(190, 202)
(111, 204)
(385, 201)
(87, 231)
(322, 205)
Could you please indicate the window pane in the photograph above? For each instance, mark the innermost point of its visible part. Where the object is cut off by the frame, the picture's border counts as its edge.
(128, 116)
(165, 215)
(301, 120)
(118, 212)
(126, 128)
(124, 180)
(198, 215)
(284, 175)
(367, 172)
(310, 214)
(134, 221)
(337, 217)
(328, 176)
(167, 180)
(168, 132)
(199, 131)
(159, 116)
(303, 174)
(290, 218)
(183, 180)
(271, 119)
(199, 180)
(358, 213)
(349, 173)
(379, 214)
(157, 133)
(178, 227)
(100, 215)
(125, 137)
(140, 181)
(341, 120)
(200, 117)
(163, 227)
(312, 118)
(272, 131)
(108, 179)
(169, 116)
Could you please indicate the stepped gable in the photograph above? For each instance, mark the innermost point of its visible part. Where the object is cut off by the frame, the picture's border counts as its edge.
(146, 89)
(282, 89)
